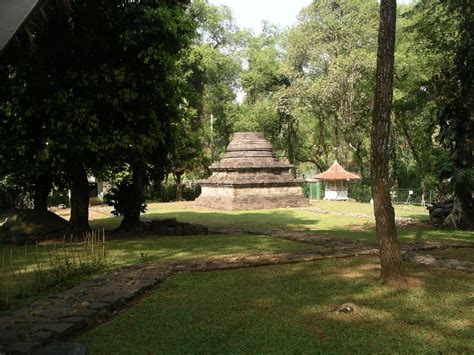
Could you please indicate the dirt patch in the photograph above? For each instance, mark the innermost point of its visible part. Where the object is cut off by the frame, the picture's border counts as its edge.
(95, 212)
(29, 225)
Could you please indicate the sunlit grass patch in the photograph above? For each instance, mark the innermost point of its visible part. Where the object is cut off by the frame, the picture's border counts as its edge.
(290, 309)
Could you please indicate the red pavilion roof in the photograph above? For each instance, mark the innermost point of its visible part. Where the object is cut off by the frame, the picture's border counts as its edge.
(336, 172)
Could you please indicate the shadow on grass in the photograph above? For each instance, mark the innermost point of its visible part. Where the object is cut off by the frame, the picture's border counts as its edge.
(288, 219)
(256, 220)
(198, 247)
(290, 309)
(297, 220)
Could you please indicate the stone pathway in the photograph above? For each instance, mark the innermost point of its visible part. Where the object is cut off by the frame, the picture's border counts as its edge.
(357, 215)
(409, 250)
(52, 319)
(342, 243)
(446, 263)
(55, 317)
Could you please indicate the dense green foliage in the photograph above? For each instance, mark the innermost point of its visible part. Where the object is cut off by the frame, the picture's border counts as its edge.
(96, 96)
(153, 91)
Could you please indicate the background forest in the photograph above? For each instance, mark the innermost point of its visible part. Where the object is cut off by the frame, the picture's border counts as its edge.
(147, 97)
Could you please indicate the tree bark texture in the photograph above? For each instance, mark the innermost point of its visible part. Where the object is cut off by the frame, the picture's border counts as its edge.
(43, 186)
(390, 256)
(79, 220)
(179, 186)
(131, 218)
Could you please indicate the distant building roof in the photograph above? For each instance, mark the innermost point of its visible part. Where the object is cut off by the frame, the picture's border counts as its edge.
(14, 14)
(336, 172)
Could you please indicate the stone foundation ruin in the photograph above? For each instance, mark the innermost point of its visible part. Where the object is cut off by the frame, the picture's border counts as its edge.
(250, 177)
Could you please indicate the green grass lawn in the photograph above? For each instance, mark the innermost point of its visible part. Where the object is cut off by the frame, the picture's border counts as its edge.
(300, 219)
(289, 309)
(131, 251)
(25, 259)
(137, 249)
(278, 309)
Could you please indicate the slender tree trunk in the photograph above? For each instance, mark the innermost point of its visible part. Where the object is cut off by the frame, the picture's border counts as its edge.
(417, 157)
(179, 186)
(79, 220)
(360, 160)
(390, 255)
(291, 142)
(131, 218)
(43, 186)
(393, 159)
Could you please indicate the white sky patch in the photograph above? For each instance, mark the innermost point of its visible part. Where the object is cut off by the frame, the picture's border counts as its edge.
(251, 13)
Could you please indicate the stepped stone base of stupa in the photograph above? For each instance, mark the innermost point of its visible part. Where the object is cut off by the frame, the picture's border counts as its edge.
(251, 198)
(250, 177)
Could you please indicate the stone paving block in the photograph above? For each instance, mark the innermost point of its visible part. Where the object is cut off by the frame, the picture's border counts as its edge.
(105, 291)
(78, 322)
(22, 347)
(46, 313)
(20, 322)
(59, 328)
(62, 349)
(115, 301)
(85, 312)
(99, 306)
(41, 303)
(41, 336)
(5, 323)
(8, 336)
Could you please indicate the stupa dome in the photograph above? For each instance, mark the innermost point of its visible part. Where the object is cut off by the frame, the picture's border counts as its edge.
(250, 176)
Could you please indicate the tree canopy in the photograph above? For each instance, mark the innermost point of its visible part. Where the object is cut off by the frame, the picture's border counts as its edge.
(134, 92)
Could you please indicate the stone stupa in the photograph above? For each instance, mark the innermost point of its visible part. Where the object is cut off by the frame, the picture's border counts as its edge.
(250, 177)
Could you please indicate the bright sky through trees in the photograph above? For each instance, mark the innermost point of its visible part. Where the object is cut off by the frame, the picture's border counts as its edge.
(251, 13)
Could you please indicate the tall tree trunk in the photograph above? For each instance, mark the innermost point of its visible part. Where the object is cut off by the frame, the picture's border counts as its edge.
(43, 185)
(79, 220)
(462, 215)
(131, 218)
(179, 186)
(390, 255)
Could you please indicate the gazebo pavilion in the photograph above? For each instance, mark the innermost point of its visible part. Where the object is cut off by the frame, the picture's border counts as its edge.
(335, 181)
